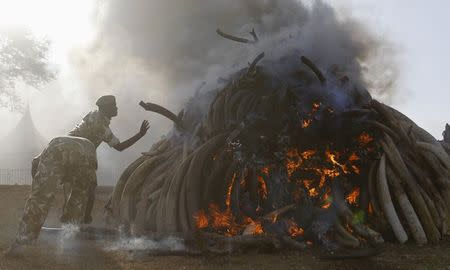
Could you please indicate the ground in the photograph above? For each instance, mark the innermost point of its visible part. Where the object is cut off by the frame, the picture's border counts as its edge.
(52, 253)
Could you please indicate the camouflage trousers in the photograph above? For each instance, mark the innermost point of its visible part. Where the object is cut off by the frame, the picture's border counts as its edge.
(66, 160)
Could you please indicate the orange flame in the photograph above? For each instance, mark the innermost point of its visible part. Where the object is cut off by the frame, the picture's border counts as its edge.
(219, 219)
(332, 158)
(262, 187)
(316, 106)
(308, 154)
(293, 161)
(353, 157)
(294, 229)
(306, 123)
(365, 138)
(353, 196)
(230, 189)
(311, 190)
(201, 219)
(265, 170)
(327, 199)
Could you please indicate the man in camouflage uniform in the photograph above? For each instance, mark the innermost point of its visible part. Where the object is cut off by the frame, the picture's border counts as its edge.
(71, 161)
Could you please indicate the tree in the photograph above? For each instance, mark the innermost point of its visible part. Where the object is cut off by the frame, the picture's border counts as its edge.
(23, 59)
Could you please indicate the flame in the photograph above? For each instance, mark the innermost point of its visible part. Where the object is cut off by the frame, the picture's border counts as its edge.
(306, 123)
(308, 154)
(327, 200)
(253, 227)
(220, 219)
(353, 196)
(262, 187)
(365, 138)
(312, 191)
(293, 161)
(201, 220)
(355, 169)
(316, 106)
(294, 229)
(353, 157)
(265, 170)
(332, 158)
(230, 189)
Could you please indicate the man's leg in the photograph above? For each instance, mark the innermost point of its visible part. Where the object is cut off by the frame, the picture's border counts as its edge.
(90, 205)
(39, 201)
(83, 184)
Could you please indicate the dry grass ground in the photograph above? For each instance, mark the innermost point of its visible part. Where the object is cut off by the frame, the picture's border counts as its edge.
(52, 253)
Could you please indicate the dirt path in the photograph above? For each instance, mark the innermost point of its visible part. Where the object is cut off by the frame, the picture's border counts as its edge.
(53, 252)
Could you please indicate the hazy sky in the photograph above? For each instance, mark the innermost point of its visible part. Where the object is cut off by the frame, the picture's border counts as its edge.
(418, 29)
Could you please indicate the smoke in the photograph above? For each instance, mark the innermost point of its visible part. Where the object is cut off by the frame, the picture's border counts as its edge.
(161, 51)
(166, 244)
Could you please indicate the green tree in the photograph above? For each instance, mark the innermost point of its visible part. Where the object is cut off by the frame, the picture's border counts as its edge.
(23, 59)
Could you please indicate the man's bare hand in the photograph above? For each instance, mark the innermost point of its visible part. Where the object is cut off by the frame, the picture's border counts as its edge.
(144, 127)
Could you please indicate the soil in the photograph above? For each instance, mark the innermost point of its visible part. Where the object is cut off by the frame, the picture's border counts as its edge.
(55, 252)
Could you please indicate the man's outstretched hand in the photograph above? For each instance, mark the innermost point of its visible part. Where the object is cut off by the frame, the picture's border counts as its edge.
(144, 127)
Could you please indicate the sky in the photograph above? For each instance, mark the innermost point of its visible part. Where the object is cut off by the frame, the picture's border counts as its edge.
(420, 31)
(417, 29)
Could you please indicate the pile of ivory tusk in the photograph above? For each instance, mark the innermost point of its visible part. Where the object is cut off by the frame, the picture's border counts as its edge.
(410, 185)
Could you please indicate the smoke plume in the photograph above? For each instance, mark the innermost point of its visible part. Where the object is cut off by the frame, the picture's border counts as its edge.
(162, 51)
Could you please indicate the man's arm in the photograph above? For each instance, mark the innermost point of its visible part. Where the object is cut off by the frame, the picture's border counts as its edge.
(125, 144)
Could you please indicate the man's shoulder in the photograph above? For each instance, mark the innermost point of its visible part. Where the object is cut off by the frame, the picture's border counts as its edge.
(96, 117)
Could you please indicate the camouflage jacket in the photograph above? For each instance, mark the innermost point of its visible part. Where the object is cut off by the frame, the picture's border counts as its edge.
(95, 127)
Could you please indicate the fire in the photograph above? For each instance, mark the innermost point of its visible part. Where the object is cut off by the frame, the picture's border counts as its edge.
(332, 158)
(308, 154)
(220, 219)
(294, 229)
(201, 219)
(365, 138)
(230, 189)
(306, 123)
(353, 196)
(311, 190)
(316, 106)
(353, 157)
(293, 161)
(265, 170)
(327, 199)
(355, 169)
(262, 187)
